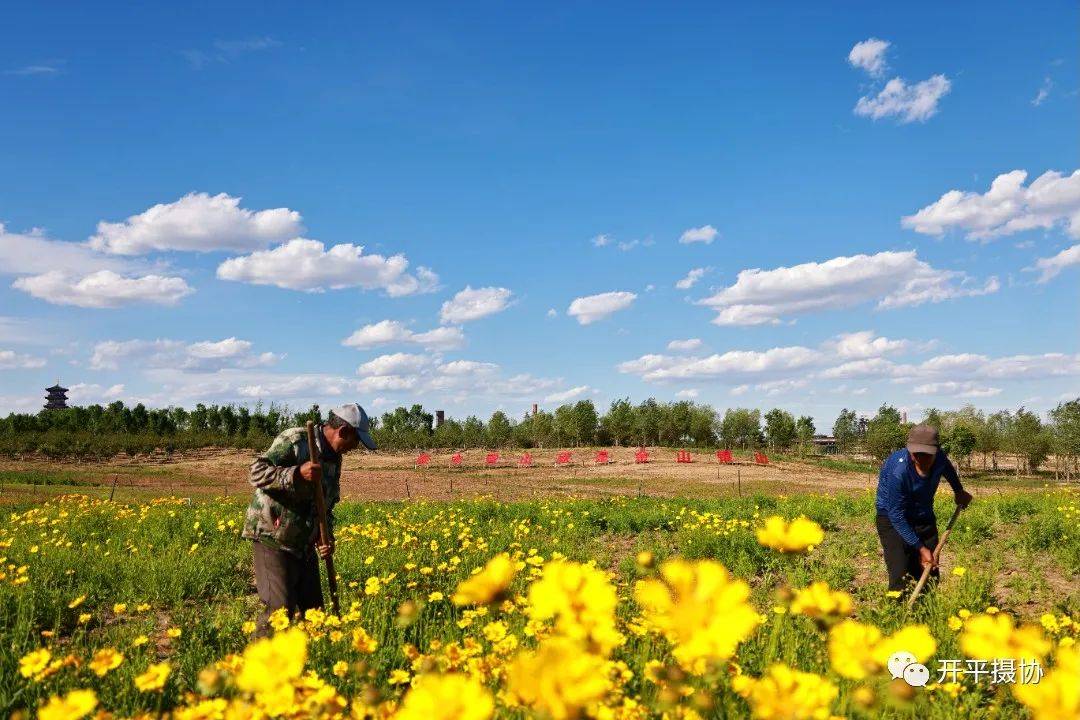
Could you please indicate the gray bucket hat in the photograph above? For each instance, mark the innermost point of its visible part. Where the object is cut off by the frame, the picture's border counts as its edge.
(923, 439)
(355, 416)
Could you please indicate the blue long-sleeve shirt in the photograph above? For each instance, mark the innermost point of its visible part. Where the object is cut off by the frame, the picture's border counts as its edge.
(906, 497)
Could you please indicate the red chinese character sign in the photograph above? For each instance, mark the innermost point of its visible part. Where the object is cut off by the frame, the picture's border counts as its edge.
(602, 457)
(423, 459)
(492, 458)
(455, 460)
(526, 460)
(641, 457)
(723, 456)
(684, 457)
(563, 458)
(761, 459)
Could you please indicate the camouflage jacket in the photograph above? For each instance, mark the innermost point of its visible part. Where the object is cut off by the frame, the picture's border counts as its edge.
(282, 513)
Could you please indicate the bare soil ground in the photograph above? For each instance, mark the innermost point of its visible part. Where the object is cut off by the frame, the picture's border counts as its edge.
(395, 476)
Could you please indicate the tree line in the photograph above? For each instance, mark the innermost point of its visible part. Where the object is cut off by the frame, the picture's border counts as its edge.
(102, 431)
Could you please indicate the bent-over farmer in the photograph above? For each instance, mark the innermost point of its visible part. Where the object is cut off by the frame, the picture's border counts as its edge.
(281, 519)
(905, 504)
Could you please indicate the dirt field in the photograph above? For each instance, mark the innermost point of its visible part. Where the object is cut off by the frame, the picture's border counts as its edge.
(394, 476)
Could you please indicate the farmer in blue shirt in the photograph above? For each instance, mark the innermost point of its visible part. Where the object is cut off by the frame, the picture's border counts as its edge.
(905, 504)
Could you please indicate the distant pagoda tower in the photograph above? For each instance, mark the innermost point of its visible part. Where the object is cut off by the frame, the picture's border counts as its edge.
(56, 398)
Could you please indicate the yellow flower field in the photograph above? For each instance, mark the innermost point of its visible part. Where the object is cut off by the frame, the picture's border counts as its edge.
(757, 607)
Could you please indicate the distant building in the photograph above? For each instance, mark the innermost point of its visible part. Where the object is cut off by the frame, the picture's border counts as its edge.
(56, 398)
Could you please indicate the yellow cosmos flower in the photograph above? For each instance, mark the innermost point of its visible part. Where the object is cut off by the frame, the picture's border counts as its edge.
(119, 608)
(800, 535)
(820, 602)
(996, 636)
(76, 602)
(581, 600)
(1057, 695)
(33, 662)
(141, 640)
(174, 632)
(76, 704)
(700, 609)
(857, 651)
(364, 642)
(959, 571)
(105, 660)
(84, 618)
(488, 585)
(271, 663)
(399, 677)
(559, 679)
(435, 596)
(154, 678)
(446, 697)
(786, 693)
(915, 639)
(340, 669)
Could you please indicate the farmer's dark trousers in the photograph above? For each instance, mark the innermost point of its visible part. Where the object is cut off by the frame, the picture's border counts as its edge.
(285, 581)
(902, 560)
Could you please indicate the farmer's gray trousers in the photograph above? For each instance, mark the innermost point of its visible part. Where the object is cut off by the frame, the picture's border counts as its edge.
(285, 581)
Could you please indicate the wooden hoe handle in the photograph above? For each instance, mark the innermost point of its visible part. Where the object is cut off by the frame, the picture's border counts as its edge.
(320, 510)
(937, 556)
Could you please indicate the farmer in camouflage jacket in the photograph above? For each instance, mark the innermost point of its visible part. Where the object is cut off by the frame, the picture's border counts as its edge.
(281, 518)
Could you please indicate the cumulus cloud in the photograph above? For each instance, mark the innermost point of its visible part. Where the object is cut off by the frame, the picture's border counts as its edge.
(394, 364)
(1050, 267)
(894, 279)
(1052, 199)
(591, 308)
(704, 234)
(691, 278)
(11, 360)
(89, 393)
(103, 289)
(197, 222)
(688, 345)
(733, 365)
(32, 254)
(869, 55)
(392, 332)
(307, 265)
(601, 240)
(204, 356)
(908, 103)
(687, 394)
(957, 389)
(566, 395)
(865, 344)
(473, 304)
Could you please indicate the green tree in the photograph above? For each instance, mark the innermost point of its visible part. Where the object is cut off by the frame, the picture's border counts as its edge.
(586, 421)
(1028, 440)
(618, 422)
(741, 428)
(845, 430)
(779, 429)
(703, 425)
(804, 431)
(1066, 433)
(499, 430)
(885, 433)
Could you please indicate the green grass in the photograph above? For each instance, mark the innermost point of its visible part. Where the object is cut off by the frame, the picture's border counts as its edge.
(142, 553)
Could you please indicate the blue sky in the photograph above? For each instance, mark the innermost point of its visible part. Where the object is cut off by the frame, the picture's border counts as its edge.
(541, 156)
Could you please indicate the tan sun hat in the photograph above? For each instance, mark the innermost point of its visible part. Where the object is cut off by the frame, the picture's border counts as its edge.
(923, 439)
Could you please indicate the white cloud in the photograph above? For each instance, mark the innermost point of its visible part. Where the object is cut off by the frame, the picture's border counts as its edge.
(470, 304)
(894, 279)
(201, 356)
(868, 368)
(691, 278)
(909, 103)
(601, 240)
(566, 395)
(1049, 267)
(957, 389)
(865, 344)
(39, 69)
(869, 55)
(388, 332)
(1044, 92)
(394, 364)
(103, 289)
(552, 312)
(1007, 207)
(688, 345)
(730, 366)
(197, 222)
(32, 254)
(91, 393)
(307, 265)
(687, 394)
(11, 360)
(704, 234)
(591, 308)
